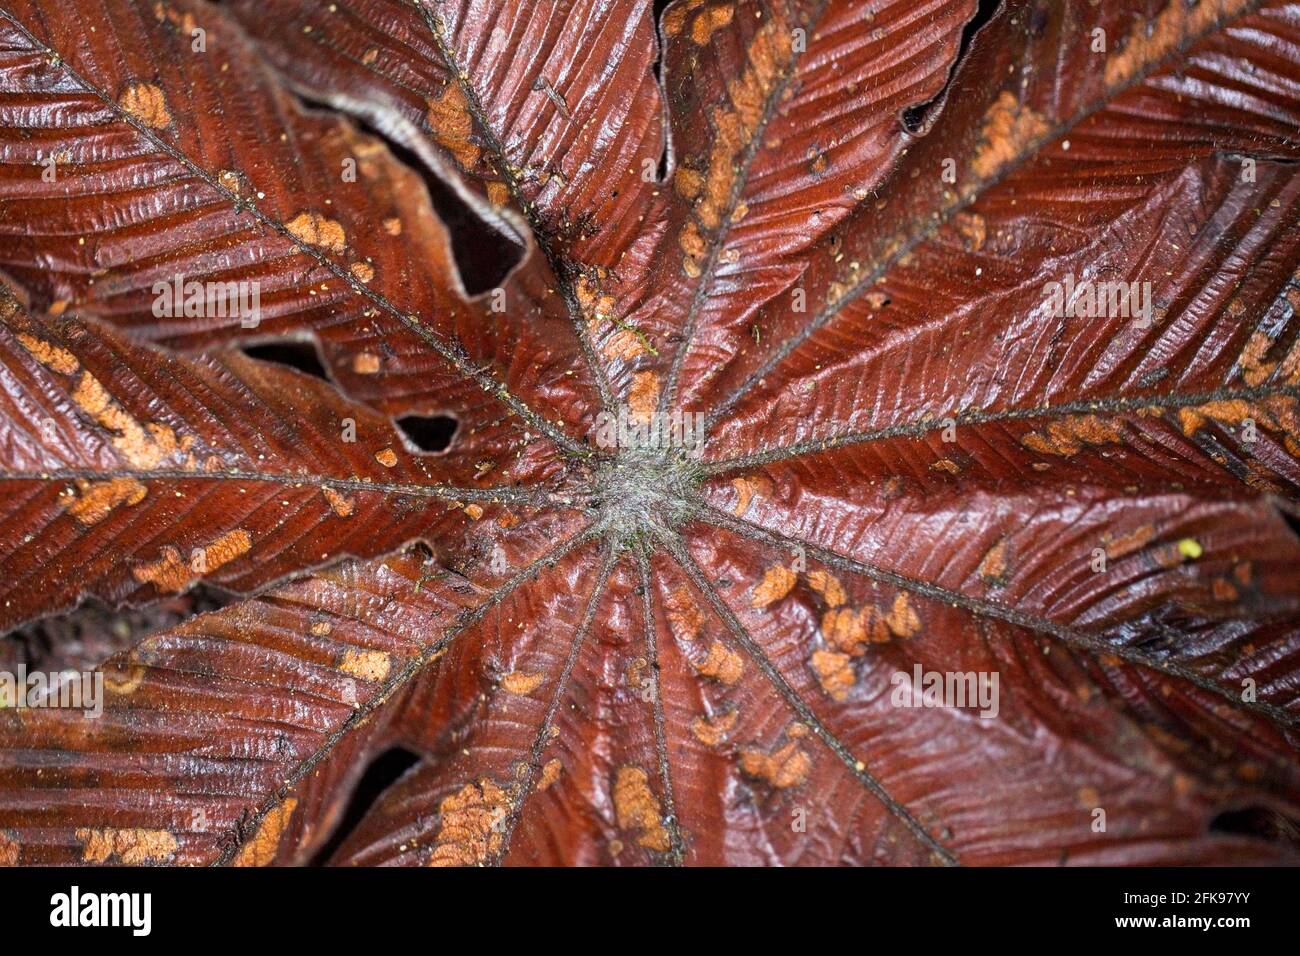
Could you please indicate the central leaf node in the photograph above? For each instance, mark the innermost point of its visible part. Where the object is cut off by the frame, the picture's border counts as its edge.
(643, 491)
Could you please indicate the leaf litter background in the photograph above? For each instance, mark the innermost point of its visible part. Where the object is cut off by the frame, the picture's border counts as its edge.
(513, 648)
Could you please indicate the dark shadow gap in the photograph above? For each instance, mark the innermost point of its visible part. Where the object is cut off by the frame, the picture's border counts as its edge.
(429, 432)
(1259, 823)
(384, 771)
(484, 255)
(295, 353)
(86, 636)
(1292, 520)
(914, 117)
(661, 170)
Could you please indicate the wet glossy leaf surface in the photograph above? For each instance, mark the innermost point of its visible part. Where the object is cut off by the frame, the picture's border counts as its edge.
(961, 570)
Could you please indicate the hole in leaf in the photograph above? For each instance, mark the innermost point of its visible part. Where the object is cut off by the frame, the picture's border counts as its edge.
(429, 432)
(661, 170)
(384, 771)
(295, 353)
(484, 255)
(1260, 823)
(914, 117)
(1292, 520)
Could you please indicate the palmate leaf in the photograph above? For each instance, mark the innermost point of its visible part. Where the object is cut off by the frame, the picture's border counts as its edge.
(829, 229)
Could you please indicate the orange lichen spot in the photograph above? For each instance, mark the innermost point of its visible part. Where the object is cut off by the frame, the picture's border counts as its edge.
(185, 20)
(710, 20)
(850, 631)
(130, 846)
(125, 683)
(366, 664)
(633, 672)
(624, 345)
(550, 773)
(674, 20)
(993, 567)
(1176, 26)
(845, 628)
(316, 230)
(365, 363)
(386, 457)
(1117, 546)
(722, 664)
(637, 808)
(747, 488)
(902, 620)
(828, 586)
(260, 850)
(1069, 436)
(474, 511)
(1010, 130)
(225, 549)
(341, 506)
(172, 573)
(596, 305)
(586, 290)
(321, 628)
(1289, 370)
(1229, 411)
(521, 682)
(692, 243)
(168, 573)
(146, 103)
(644, 395)
(945, 464)
(712, 731)
(786, 768)
(1254, 370)
(231, 180)
(684, 616)
(453, 127)
(362, 271)
(834, 672)
(735, 126)
(688, 182)
(393, 226)
(9, 849)
(498, 193)
(470, 825)
(99, 498)
(970, 226)
(51, 356)
(141, 446)
(776, 584)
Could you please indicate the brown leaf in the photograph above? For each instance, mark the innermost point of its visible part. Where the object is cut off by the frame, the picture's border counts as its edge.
(990, 330)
